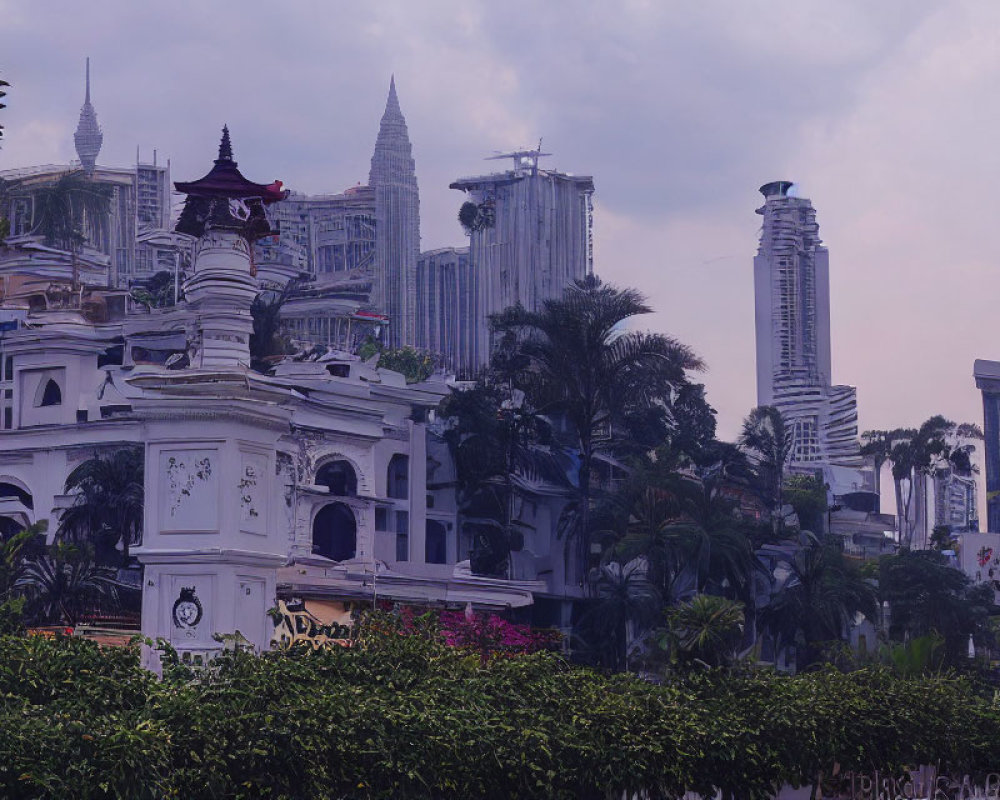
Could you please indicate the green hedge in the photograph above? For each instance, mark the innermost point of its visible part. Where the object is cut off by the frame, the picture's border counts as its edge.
(406, 717)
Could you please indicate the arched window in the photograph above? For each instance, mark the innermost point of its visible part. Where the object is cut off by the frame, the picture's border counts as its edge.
(398, 477)
(51, 395)
(436, 543)
(8, 491)
(339, 478)
(335, 533)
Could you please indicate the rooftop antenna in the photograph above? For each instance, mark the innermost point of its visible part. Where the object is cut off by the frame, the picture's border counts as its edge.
(525, 161)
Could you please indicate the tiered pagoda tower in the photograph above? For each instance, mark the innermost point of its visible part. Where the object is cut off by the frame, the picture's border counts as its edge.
(226, 212)
(397, 223)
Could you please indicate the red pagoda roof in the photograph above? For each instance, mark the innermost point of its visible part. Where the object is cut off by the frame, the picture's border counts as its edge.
(225, 180)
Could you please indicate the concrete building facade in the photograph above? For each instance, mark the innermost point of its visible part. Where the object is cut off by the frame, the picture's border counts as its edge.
(447, 304)
(534, 239)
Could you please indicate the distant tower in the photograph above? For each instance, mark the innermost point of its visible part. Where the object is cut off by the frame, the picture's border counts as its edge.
(397, 223)
(88, 136)
(792, 296)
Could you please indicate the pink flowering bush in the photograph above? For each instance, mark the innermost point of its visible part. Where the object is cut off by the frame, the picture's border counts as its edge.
(488, 634)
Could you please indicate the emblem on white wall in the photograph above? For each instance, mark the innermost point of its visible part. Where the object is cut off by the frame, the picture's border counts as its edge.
(187, 611)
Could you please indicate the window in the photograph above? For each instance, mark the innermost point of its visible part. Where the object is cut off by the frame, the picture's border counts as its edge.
(335, 533)
(436, 543)
(398, 477)
(339, 478)
(402, 536)
(381, 519)
(51, 395)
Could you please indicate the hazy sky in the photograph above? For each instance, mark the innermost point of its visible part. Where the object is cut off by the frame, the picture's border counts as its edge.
(886, 113)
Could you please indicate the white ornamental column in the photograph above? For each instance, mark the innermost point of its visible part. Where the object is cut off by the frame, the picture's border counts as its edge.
(221, 290)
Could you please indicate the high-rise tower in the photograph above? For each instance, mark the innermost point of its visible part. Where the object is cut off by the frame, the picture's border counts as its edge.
(792, 295)
(88, 137)
(393, 177)
(532, 237)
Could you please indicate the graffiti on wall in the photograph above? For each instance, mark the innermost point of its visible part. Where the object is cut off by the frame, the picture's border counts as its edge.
(318, 623)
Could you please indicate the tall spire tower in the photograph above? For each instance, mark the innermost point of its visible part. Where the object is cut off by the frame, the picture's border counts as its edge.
(393, 176)
(88, 136)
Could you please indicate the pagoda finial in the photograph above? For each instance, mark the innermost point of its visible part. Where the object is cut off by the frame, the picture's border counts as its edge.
(87, 98)
(225, 147)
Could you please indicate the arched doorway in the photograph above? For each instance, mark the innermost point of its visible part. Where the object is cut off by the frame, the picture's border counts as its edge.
(339, 478)
(335, 533)
(436, 543)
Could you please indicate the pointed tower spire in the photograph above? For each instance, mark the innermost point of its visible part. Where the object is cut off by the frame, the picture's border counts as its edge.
(393, 176)
(225, 147)
(392, 109)
(88, 137)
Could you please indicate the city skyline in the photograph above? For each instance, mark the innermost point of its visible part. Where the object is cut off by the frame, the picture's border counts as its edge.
(678, 113)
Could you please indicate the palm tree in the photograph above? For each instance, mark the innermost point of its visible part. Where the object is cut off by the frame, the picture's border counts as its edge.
(500, 448)
(706, 630)
(64, 583)
(575, 361)
(108, 509)
(820, 597)
(656, 532)
(625, 603)
(768, 442)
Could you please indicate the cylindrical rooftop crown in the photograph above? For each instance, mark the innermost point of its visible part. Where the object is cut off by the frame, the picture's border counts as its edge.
(776, 188)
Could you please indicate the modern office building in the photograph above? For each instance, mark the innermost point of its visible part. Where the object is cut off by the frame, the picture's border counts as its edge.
(532, 237)
(792, 299)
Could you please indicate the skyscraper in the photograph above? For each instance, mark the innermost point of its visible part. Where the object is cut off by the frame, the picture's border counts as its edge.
(393, 178)
(792, 296)
(532, 239)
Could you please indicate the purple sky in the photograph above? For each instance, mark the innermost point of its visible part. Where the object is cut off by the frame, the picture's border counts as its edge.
(885, 113)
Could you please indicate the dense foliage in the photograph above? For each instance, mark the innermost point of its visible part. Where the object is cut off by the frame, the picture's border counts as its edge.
(405, 716)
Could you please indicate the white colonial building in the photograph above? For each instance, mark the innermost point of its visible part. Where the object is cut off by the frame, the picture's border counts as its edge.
(308, 483)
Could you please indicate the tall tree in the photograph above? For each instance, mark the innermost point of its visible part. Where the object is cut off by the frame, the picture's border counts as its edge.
(915, 454)
(818, 600)
(107, 511)
(498, 445)
(926, 595)
(768, 442)
(576, 361)
(624, 605)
